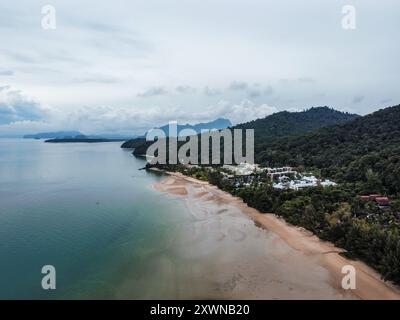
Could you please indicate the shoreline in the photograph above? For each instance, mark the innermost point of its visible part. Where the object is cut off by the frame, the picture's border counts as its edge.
(369, 285)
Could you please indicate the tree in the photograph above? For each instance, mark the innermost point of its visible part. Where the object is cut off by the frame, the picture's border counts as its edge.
(373, 183)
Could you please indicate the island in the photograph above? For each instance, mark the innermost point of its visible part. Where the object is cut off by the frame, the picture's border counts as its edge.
(82, 140)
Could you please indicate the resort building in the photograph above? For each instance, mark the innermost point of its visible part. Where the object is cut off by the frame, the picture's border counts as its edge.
(279, 172)
(380, 200)
(243, 169)
(304, 182)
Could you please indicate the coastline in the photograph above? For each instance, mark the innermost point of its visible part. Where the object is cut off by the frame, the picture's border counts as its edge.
(323, 254)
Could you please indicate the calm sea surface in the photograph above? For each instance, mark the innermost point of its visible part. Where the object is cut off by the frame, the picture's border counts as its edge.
(87, 210)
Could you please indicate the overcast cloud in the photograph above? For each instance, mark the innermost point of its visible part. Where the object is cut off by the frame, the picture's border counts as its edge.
(125, 66)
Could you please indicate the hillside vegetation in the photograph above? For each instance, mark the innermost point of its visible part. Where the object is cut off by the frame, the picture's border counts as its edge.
(366, 147)
(286, 123)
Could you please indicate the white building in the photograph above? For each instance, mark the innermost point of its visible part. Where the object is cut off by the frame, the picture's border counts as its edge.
(279, 172)
(243, 169)
(304, 182)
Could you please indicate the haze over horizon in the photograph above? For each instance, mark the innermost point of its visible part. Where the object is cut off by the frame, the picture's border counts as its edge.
(126, 68)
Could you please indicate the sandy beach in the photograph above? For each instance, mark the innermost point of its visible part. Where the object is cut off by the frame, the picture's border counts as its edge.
(240, 253)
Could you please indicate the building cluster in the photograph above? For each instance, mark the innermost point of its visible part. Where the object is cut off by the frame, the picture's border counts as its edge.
(301, 181)
(380, 200)
(283, 177)
(274, 173)
(243, 169)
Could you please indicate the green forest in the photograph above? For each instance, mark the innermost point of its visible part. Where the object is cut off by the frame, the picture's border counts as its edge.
(365, 150)
(362, 154)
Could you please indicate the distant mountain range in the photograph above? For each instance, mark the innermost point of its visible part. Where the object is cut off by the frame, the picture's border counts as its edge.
(81, 139)
(71, 135)
(217, 124)
(53, 135)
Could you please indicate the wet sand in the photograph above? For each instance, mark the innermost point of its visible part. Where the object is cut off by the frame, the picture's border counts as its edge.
(238, 253)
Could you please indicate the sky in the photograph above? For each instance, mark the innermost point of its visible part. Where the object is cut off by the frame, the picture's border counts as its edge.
(123, 67)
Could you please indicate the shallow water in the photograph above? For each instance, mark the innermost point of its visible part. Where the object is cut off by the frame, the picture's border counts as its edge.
(87, 210)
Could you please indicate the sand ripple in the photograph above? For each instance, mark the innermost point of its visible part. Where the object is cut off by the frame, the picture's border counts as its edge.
(228, 250)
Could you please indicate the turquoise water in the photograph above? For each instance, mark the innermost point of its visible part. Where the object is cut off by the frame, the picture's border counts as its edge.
(87, 210)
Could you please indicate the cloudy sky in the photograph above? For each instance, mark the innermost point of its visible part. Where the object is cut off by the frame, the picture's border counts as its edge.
(125, 66)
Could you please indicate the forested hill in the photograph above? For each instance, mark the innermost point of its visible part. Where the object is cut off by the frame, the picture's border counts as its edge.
(369, 144)
(294, 123)
(276, 125)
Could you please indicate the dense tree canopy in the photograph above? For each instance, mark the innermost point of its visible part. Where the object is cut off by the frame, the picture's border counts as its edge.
(364, 149)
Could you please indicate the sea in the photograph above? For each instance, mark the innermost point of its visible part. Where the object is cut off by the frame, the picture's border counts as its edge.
(88, 211)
